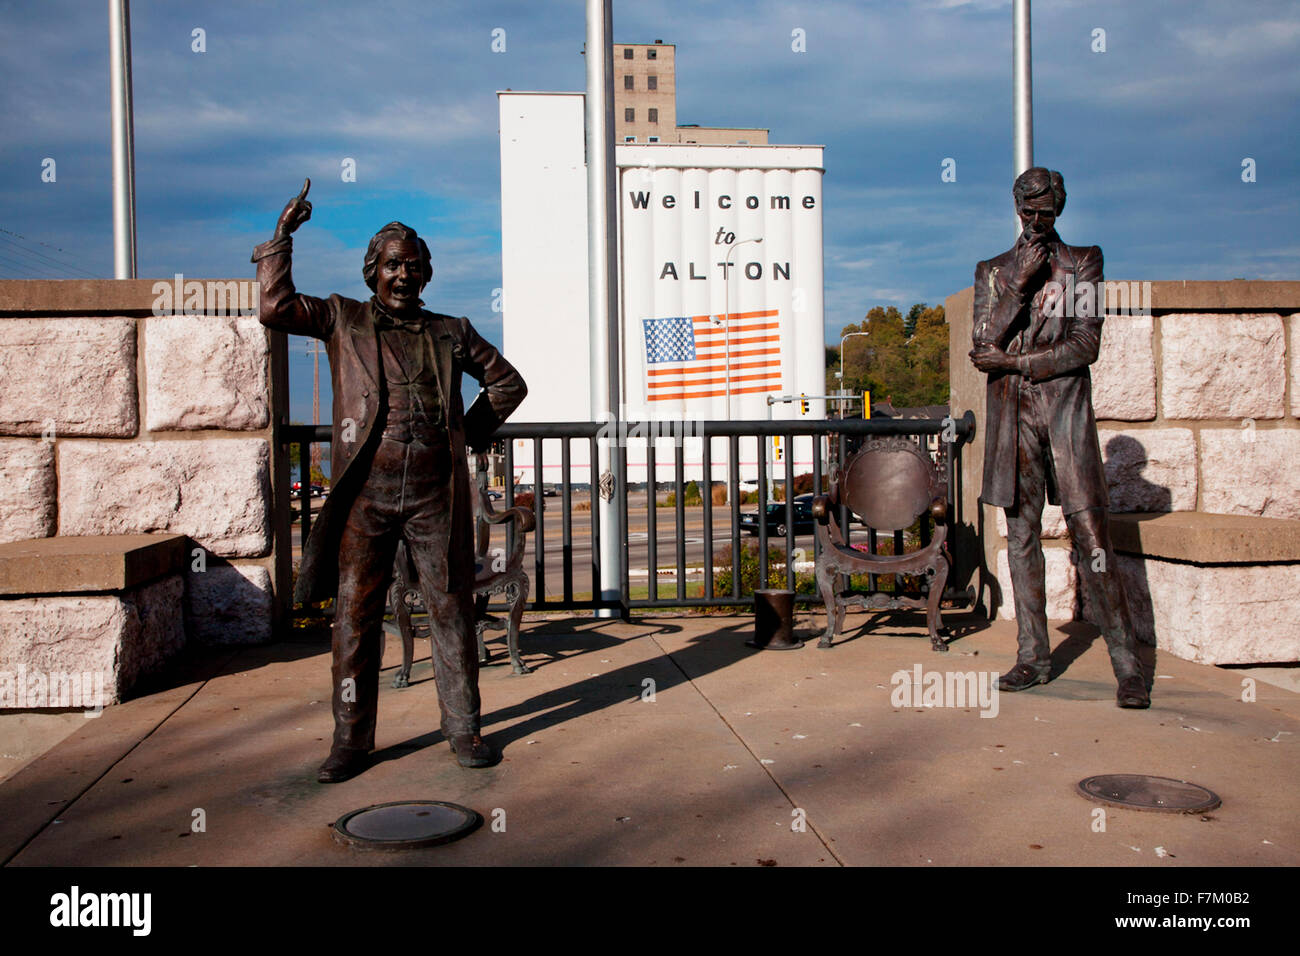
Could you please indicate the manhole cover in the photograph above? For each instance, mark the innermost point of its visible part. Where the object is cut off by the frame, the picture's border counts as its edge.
(405, 825)
(1139, 791)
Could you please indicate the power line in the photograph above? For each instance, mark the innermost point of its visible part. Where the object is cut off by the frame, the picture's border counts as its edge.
(34, 252)
(36, 259)
(26, 269)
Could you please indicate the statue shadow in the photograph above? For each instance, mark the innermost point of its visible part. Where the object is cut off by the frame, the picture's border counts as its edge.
(1142, 498)
(624, 686)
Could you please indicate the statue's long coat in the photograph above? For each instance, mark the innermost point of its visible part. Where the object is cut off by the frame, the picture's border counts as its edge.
(351, 338)
(1058, 347)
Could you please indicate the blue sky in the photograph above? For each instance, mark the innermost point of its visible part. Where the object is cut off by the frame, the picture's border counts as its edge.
(1150, 134)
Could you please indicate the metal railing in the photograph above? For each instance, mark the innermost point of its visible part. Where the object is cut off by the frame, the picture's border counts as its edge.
(831, 443)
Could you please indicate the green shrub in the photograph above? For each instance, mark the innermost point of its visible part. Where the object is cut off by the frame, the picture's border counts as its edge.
(805, 582)
(691, 497)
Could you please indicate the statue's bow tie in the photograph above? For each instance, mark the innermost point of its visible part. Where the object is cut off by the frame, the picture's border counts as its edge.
(413, 323)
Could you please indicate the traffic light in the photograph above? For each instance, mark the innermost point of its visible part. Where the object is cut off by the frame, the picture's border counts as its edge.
(803, 404)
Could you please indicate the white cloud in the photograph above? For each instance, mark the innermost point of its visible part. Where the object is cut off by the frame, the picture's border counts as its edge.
(1245, 37)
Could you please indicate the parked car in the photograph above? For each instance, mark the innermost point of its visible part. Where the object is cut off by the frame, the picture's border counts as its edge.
(317, 491)
(803, 519)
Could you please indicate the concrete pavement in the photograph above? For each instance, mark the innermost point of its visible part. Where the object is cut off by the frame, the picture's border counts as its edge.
(666, 741)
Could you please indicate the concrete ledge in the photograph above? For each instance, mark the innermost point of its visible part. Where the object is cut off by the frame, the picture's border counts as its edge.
(1207, 538)
(1229, 295)
(50, 297)
(71, 565)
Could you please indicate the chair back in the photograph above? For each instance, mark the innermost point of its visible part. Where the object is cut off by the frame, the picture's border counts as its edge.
(888, 483)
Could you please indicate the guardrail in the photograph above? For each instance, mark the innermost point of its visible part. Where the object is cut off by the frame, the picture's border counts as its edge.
(832, 442)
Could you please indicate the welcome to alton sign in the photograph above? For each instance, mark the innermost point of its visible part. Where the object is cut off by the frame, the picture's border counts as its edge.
(714, 320)
(706, 311)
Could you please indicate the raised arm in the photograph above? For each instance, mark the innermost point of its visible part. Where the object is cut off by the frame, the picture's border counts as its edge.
(280, 307)
(1082, 339)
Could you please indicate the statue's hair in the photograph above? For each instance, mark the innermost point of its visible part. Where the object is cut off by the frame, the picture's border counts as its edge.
(1037, 181)
(394, 230)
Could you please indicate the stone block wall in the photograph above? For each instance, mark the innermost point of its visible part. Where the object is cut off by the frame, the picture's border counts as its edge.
(131, 407)
(1198, 410)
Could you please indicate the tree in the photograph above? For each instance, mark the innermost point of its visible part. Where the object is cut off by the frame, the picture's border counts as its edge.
(902, 358)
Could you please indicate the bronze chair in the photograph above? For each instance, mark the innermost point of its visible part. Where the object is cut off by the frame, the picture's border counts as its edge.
(495, 573)
(889, 483)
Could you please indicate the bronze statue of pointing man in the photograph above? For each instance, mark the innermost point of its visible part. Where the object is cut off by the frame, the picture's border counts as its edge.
(398, 455)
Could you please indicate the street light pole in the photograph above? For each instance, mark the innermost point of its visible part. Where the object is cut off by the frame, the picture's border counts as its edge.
(726, 322)
(840, 373)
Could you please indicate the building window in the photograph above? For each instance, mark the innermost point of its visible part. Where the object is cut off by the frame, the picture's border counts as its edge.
(627, 54)
(629, 115)
(628, 83)
(652, 54)
(652, 82)
(629, 139)
(652, 139)
(654, 116)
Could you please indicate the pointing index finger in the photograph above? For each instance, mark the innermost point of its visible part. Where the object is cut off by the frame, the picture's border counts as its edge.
(306, 185)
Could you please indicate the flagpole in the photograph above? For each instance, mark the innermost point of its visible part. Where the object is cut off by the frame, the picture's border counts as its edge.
(602, 290)
(119, 66)
(1022, 88)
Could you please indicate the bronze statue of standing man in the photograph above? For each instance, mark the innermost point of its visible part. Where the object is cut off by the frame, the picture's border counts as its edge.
(399, 470)
(1035, 338)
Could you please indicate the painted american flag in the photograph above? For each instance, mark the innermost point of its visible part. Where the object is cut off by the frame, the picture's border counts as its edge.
(693, 356)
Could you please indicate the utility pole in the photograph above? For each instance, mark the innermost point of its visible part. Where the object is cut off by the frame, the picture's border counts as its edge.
(315, 349)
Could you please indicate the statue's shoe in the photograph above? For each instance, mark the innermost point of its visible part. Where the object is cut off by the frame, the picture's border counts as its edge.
(1133, 693)
(1022, 676)
(472, 750)
(342, 764)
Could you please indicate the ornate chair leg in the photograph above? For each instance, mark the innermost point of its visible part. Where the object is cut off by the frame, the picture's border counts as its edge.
(402, 611)
(937, 582)
(480, 626)
(518, 594)
(834, 613)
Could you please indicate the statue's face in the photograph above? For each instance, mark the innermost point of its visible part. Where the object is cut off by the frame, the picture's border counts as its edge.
(1038, 213)
(399, 275)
